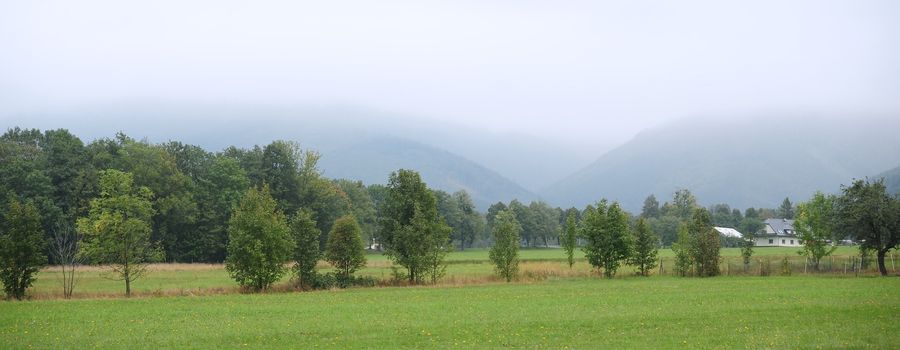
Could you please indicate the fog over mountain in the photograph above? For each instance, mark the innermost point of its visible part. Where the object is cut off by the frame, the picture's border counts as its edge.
(505, 99)
(755, 162)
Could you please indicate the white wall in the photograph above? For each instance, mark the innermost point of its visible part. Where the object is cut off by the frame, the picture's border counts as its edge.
(777, 242)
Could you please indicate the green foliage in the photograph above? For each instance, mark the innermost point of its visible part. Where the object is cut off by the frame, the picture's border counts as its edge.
(814, 226)
(608, 238)
(345, 249)
(306, 249)
(645, 248)
(259, 241)
(786, 210)
(505, 251)
(361, 206)
(651, 207)
(570, 239)
(21, 248)
(705, 244)
(747, 242)
(866, 212)
(117, 227)
(682, 250)
(410, 229)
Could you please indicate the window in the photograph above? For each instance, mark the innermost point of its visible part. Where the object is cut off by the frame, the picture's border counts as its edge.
(771, 241)
(792, 241)
(782, 241)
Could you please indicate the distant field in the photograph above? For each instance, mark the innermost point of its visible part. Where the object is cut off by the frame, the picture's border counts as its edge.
(585, 313)
(470, 266)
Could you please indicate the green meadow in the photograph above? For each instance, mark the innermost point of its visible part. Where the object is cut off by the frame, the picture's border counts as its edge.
(583, 313)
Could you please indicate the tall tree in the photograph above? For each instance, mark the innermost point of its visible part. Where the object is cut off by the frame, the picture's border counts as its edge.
(409, 226)
(259, 241)
(651, 207)
(866, 212)
(345, 249)
(505, 251)
(815, 220)
(786, 210)
(471, 221)
(645, 248)
(306, 250)
(21, 248)
(570, 239)
(683, 204)
(117, 227)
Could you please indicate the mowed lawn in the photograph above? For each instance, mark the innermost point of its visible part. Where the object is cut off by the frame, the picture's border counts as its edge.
(584, 313)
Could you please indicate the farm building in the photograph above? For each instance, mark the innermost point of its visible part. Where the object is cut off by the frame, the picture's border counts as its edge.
(728, 232)
(778, 233)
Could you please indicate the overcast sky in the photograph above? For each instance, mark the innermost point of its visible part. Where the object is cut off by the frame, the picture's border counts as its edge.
(573, 71)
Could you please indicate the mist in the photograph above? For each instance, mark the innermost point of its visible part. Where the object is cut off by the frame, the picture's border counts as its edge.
(588, 74)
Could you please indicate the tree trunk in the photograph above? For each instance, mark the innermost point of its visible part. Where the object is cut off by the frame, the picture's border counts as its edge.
(881, 267)
(127, 286)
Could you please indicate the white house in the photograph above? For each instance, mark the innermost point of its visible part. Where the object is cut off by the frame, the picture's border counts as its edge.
(779, 233)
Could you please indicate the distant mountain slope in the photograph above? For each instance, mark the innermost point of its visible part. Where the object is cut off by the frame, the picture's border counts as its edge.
(739, 163)
(891, 180)
(374, 159)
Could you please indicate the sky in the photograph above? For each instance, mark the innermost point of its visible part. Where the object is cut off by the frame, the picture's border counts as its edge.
(581, 73)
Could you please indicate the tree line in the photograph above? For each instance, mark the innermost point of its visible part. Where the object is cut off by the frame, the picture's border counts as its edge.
(126, 203)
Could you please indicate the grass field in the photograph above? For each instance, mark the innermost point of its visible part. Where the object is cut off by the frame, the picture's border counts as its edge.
(467, 267)
(586, 313)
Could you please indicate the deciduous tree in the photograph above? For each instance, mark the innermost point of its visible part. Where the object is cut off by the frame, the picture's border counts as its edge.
(259, 241)
(505, 251)
(870, 215)
(117, 227)
(570, 239)
(814, 223)
(306, 249)
(21, 248)
(345, 249)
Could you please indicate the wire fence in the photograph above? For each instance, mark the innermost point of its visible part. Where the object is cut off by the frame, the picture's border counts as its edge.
(853, 265)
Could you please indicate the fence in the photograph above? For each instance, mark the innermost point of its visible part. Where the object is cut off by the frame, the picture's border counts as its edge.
(775, 265)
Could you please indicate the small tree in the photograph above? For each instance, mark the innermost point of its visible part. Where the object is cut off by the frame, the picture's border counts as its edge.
(570, 239)
(682, 250)
(117, 228)
(747, 243)
(345, 250)
(21, 248)
(65, 247)
(608, 240)
(814, 226)
(306, 251)
(705, 243)
(645, 248)
(259, 241)
(505, 252)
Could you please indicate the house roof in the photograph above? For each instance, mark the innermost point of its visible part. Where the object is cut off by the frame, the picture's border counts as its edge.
(729, 232)
(781, 227)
